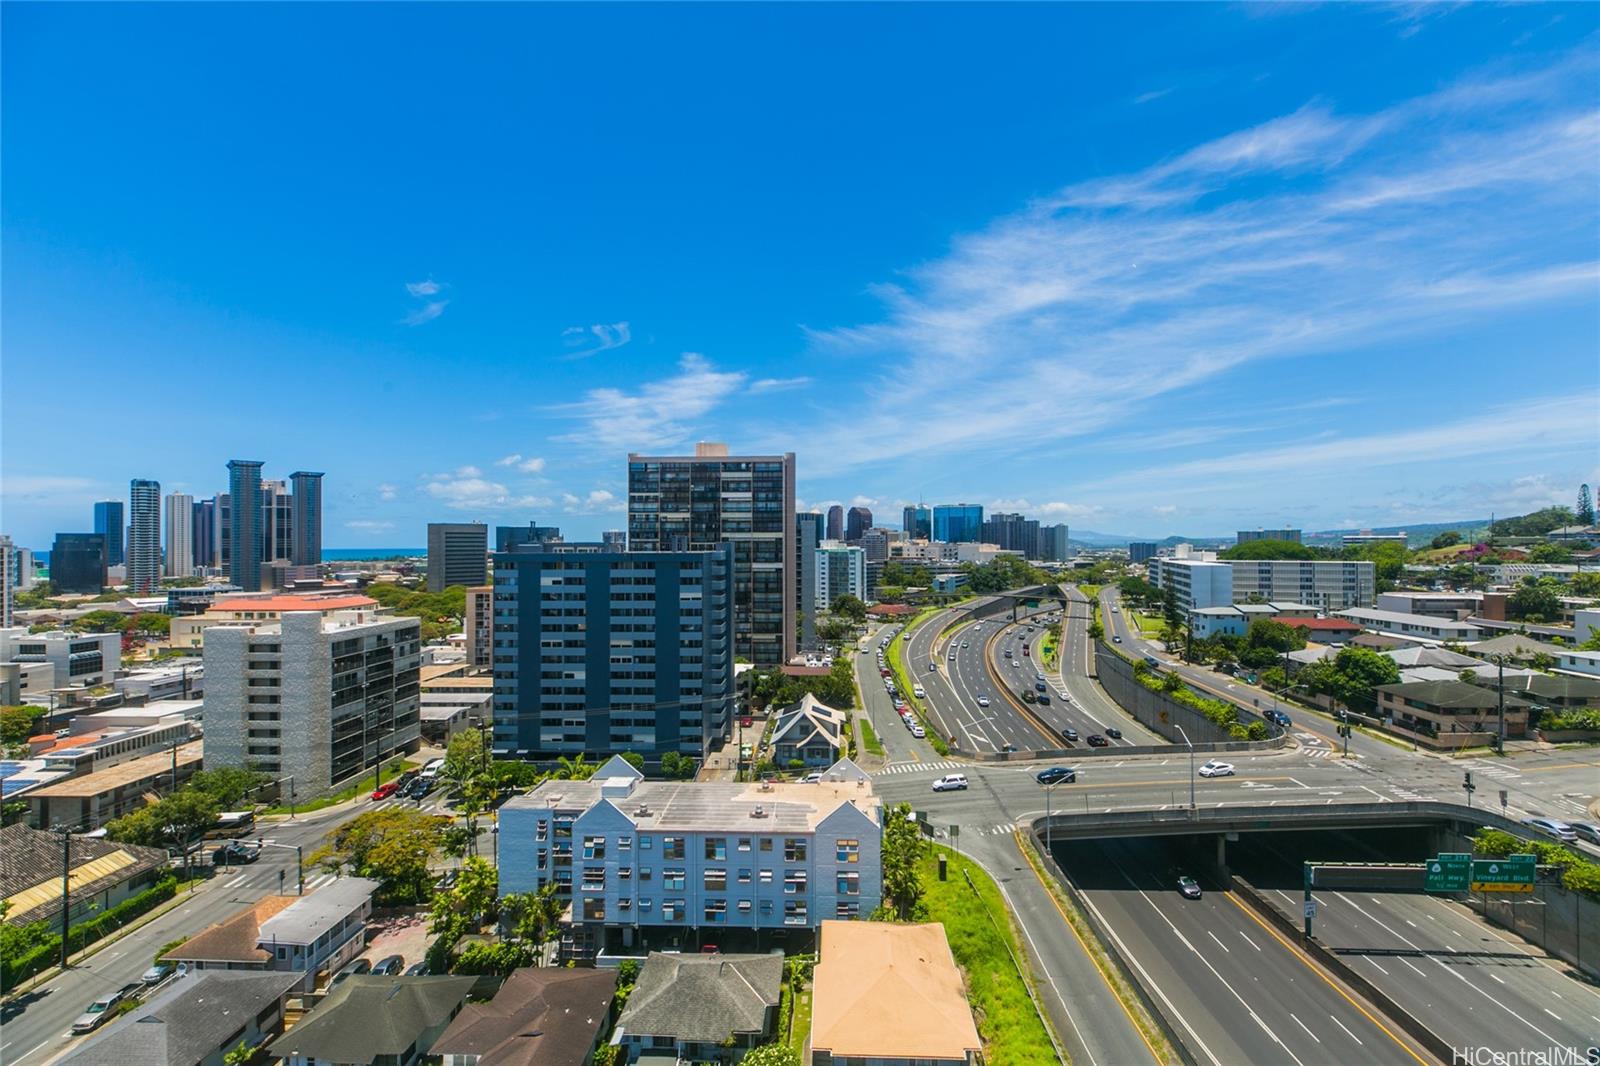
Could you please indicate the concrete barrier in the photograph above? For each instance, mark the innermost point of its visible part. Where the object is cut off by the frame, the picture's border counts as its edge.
(1431, 1041)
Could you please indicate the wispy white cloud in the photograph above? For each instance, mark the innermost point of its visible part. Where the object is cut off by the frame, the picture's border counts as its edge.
(368, 525)
(426, 313)
(1154, 94)
(423, 288)
(593, 340)
(779, 384)
(387, 492)
(656, 415)
(531, 464)
(46, 486)
(596, 501)
(1315, 232)
(464, 491)
(1057, 509)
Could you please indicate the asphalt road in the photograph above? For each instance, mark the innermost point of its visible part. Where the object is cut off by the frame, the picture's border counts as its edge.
(1477, 985)
(1075, 668)
(1238, 992)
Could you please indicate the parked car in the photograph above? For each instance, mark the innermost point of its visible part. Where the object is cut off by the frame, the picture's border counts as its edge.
(417, 969)
(917, 731)
(389, 965)
(1189, 888)
(1555, 828)
(1113, 732)
(1098, 741)
(102, 1009)
(385, 790)
(157, 973)
(951, 783)
(1213, 768)
(360, 966)
(1056, 775)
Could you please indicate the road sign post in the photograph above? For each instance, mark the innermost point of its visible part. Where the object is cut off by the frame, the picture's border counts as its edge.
(1514, 873)
(1449, 872)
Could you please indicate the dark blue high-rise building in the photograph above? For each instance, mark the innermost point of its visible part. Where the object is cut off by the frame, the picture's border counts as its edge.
(306, 517)
(78, 562)
(508, 537)
(245, 532)
(109, 523)
(954, 523)
(601, 651)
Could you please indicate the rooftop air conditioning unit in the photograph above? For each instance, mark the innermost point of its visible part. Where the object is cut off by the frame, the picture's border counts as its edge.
(758, 812)
(642, 812)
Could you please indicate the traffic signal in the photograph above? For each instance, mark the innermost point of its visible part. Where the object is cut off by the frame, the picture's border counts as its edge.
(1467, 783)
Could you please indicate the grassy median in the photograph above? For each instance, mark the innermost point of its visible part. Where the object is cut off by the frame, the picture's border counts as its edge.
(902, 678)
(986, 947)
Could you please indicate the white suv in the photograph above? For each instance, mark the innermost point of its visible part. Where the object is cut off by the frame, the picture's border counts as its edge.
(1217, 769)
(951, 783)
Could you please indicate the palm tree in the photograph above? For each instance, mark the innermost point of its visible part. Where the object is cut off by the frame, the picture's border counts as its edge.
(574, 769)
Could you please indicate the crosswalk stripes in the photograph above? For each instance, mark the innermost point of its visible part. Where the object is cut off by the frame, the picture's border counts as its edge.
(1499, 773)
(918, 767)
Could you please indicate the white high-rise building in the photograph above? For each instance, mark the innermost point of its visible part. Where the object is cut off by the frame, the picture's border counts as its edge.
(7, 582)
(180, 535)
(841, 570)
(144, 536)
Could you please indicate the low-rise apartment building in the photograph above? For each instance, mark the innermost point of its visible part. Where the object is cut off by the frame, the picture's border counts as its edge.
(661, 864)
(88, 801)
(1452, 605)
(1197, 583)
(1414, 626)
(78, 659)
(319, 696)
(1440, 708)
(1327, 584)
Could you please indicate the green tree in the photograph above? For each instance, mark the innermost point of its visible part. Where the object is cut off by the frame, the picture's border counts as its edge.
(18, 723)
(772, 1055)
(1535, 600)
(101, 622)
(1351, 676)
(467, 904)
(1585, 510)
(395, 846)
(1097, 631)
(240, 1054)
(228, 785)
(1268, 549)
(574, 769)
(533, 919)
(1448, 539)
(1388, 558)
(464, 757)
(676, 767)
(174, 821)
(850, 607)
(149, 624)
(903, 846)
(1550, 553)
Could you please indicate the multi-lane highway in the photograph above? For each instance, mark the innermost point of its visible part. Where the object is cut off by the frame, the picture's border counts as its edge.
(1077, 672)
(1237, 991)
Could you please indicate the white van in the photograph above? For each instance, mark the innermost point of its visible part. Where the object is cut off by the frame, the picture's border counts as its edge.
(431, 771)
(917, 690)
(951, 783)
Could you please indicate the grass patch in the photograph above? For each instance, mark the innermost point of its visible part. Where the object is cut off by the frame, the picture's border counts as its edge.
(390, 770)
(903, 678)
(1149, 625)
(1147, 1026)
(800, 1022)
(869, 739)
(985, 944)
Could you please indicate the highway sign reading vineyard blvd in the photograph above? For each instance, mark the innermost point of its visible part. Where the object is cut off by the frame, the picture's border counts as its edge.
(1450, 872)
(1514, 873)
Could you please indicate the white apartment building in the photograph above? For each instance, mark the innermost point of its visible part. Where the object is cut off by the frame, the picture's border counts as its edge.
(1367, 536)
(1513, 573)
(1328, 584)
(170, 681)
(80, 659)
(480, 626)
(1415, 626)
(1197, 583)
(647, 864)
(1456, 605)
(180, 534)
(188, 631)
(841, 570)
(320, 696)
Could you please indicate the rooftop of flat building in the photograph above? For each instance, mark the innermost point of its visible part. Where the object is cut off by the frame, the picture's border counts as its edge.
(708, 805)
(279, 604)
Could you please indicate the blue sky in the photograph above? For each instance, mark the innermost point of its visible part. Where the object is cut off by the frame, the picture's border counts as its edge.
(1144, 269)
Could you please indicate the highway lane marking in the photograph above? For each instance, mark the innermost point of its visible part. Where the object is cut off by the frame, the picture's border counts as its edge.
(1302, 1025)
(1408, 962)
(1552, 1014)
(1249, 940)
(1347, 1032)
(1326, 979)
(1220, 944)
(1497, 978)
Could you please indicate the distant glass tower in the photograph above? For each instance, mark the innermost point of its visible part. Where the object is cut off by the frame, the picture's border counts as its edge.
(144, 536)
(307, 512)
(244, 524)
(108, 522)
(955, 523)
(917, 521)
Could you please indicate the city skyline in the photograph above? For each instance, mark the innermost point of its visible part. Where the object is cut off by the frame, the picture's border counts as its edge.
(1188, 286)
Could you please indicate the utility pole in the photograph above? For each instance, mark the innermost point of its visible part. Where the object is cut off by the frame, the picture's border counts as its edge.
(1185, 735)
(176, 737)
(66, 893)
(1500, 661)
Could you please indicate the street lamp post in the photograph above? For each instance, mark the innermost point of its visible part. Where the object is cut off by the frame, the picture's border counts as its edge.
(1190, 744)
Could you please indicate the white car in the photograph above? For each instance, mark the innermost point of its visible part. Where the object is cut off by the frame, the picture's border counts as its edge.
(918, 732)
(919, 692)
(1555, 828)
(1063, 694)
(964, 644)
(951, 783)
(1217, 769)
(1016, 662)
(983, 701)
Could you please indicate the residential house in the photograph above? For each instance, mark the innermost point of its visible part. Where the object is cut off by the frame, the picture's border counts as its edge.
(1415, 626)
(540, 1017)
(375, 1021)
(890, 995)
(298, 934)
(1439, 708)
(103, 873)
(810, 732)
(1564, 691)
(196, 1020)
(700, 1008)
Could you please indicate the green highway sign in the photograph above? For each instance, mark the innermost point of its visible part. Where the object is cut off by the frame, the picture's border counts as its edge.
(1450, 872)
(1514, 873)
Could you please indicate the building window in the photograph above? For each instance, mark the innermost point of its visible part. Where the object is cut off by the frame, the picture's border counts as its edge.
(671, 910)
(716, 847)
(625, 873)
(672, 847)
(849, 884)
(794, 912)
(744, 843)
(594, 910)
(846, 911)
(673, 880)
(766, 843)
(794, 849)
(645, 842)
(594, 878)
(716, 880)
(766, 877)
(716, 911)
(794, 882)
(624, 843)
(594, 847)
(744, 877)
(849, 851)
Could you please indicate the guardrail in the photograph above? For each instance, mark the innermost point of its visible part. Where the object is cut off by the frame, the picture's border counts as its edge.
(1287, 814)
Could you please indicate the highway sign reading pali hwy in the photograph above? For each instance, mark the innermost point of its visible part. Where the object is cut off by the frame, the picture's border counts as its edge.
(1514, 873)
(1450, 872)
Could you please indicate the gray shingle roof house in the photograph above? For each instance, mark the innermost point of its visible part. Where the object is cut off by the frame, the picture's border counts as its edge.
(104, 873)
(194, 1022)
(385, 1021)
(540, 1017)
(706, 1008)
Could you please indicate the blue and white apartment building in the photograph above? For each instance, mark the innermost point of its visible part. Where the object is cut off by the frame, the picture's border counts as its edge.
(664, 865)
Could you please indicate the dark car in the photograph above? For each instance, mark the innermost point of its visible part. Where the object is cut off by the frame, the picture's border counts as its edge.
(1113, 732)
(1056, 775)
(235, 853)
(389, 965)
(1070, 733)
(1277, 716)
(360, 966)
(1189, 888)
(417, 969)
(1098, 741)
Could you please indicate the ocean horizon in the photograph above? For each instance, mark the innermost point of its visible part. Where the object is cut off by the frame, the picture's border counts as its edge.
(346, 555)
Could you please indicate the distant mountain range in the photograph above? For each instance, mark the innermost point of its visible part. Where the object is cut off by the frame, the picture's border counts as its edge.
(1417, 533)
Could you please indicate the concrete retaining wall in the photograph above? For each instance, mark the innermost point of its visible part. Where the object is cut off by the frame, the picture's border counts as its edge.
(1162, 714)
